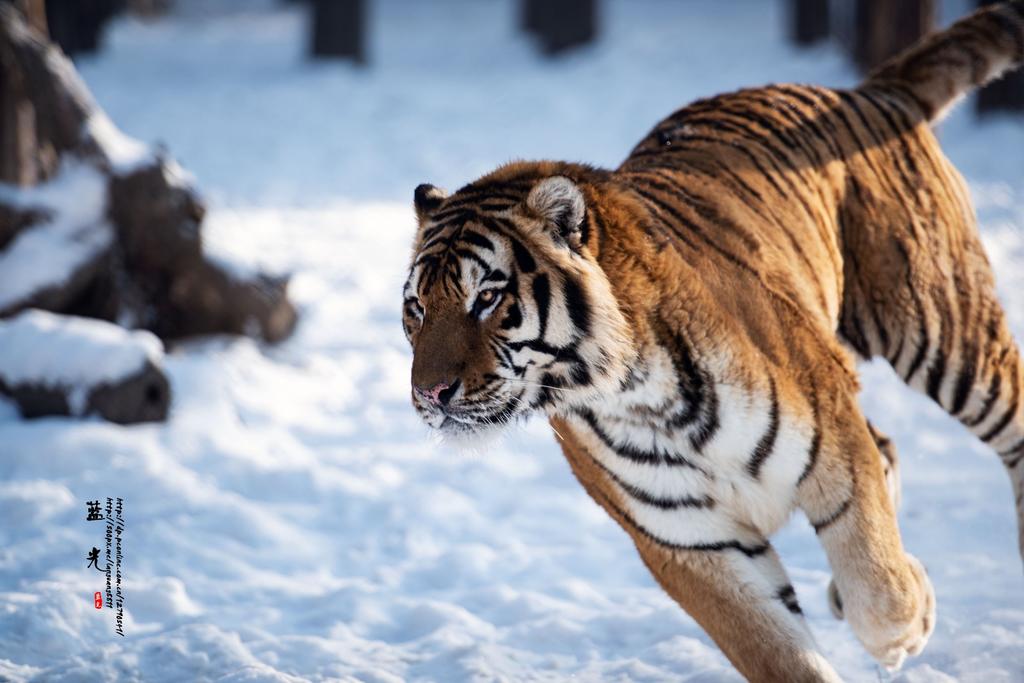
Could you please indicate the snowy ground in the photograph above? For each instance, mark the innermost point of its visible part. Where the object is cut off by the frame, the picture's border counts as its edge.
(293, 520)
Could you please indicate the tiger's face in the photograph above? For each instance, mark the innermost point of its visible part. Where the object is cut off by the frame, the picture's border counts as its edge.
(506, 310)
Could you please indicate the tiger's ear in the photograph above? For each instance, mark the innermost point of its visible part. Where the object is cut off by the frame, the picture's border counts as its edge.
(559, 202)
(426, 199)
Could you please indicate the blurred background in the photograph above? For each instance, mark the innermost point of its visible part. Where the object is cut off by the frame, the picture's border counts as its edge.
(205, 221)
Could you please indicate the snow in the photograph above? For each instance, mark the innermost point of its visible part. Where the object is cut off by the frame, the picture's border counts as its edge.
(47, 254)
(293, 520)
(72, 353)
(125, 154)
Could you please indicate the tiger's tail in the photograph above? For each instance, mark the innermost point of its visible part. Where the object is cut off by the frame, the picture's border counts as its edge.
(942, 67)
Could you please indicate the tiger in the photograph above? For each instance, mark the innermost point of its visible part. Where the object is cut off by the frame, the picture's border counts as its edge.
(690, 324)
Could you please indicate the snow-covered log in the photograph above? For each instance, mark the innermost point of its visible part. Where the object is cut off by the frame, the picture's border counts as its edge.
(183, 292)
(115, 230)
(59, 240)
(66, 365)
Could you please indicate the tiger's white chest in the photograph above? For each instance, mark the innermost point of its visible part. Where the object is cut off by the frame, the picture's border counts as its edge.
(698, 463)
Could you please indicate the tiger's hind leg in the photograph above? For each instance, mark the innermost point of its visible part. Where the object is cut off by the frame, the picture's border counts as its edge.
(919, 291)
(887, 597)
(890, 464)
(891, 471)
(943, 330)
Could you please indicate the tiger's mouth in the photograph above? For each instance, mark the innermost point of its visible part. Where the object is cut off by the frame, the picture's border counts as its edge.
(473, 418)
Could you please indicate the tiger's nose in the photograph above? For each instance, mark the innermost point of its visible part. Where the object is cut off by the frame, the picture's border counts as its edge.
(439, 394)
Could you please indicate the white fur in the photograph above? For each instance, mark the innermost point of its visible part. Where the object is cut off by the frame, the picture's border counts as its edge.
(743, 503)
(557, 197)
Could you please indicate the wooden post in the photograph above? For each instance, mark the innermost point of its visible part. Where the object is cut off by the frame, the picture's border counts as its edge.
(1006, 94)
(808, 21)
(884, 27)
(561, 24)
(76, 25)
(528, 12)
(339, 29)
(19, 162)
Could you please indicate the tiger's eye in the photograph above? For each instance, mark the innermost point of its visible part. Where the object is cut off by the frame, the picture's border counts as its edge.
(487, 296)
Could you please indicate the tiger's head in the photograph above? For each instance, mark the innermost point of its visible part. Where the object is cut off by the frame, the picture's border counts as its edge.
(505, 306)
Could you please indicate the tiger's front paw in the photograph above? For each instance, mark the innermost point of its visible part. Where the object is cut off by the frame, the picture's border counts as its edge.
(892, 626)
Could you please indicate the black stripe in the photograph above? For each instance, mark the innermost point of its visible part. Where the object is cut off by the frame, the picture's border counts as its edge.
(721, 173)
(831, 519)
(700, 206)
(922, 342)
(738, 147)
(472, 256)
(771, 99)
(579, 373)
(748, 550)
(637, 493)
(850, 100)
(885, 107)
(990, 400)
(496, 206)
(541, 289)
(709, 423)
(964, 382)
(473, 237)
(947, 329)
(801, 95)
(812, 453)
(513, 317)
(853, 331)
(691, 226)
(497, 275)
(507, 229)
(862, 147)
(766, 445)
(787, 595)
(664, 208)
(999, 426)
(936, 371)
(692, 384)
(576, 304)
(1014, 450)
(564, 353)
(551, 384)
(894, 357)
(487, 189)
(883, 333)
(751, 118)
(629, 452)
(522, 255)
(776, 157)
(711, 214)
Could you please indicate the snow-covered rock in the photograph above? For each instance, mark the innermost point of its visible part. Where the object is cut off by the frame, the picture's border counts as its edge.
(65, 365)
